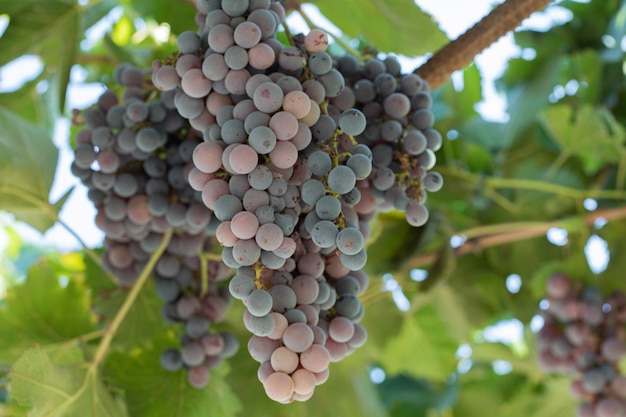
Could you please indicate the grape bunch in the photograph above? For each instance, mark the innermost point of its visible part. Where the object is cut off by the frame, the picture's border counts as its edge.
(399, 133)
(134, 156)
(583, 334)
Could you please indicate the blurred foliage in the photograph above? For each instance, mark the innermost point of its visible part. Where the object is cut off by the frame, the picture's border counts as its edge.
(506, 184)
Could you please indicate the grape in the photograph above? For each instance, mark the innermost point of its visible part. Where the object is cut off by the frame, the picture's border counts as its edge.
(341, 179)
(352, 122)
(324, 233)
(594, 381)
(416, 214)
(261, 326)
(254, 199)
(246, 252)
(315, 359)
(613, 349)
(319, 163)
(298, 337)
(284, 360)
(261, 56)
(279, 387)
(261, 348)
(198, 376)
(433, 181)
(193, 354)
(304, 381)
(610, 407)
(269, 236)
(350, 241)
(284, 124)
(171, 360)
(259, 303)
(195, 84)
(241, 286)
(341, 329)
(284, 155)
(247, 34)
(558, 286)
(196, 327)
(320, 63)
(291, 59)
(327, 207)
(221, 37)
(316, 40)
(306, 289)
(268, 97)
(244, 225)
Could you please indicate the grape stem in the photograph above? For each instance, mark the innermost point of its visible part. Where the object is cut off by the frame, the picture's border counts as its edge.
(112, 329)
(459, 53)
(485, 237)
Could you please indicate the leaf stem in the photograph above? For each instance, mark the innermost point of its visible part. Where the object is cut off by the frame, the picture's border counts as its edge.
(459, 53)
(105, 343)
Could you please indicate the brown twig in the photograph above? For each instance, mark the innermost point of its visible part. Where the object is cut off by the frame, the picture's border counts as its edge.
(486, 241)
(461, 52)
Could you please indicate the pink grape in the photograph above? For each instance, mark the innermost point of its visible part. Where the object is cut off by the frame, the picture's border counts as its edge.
(298, 337)
(261, 348)
(297, 103)
(213, 190)
(261, 56)
(247, 34)
(306, 289)
(195, 84)
(207, 157)
(284, 125)
(315, 359)
(269, 236)
(221, 37)
(243, 159)
(244, 225)
(316, 40)
(341, 329)
(284, 155)
(281, 326)
(304, 381)
(198, 376)
(279, 387)
(225, 235)
(284, 360)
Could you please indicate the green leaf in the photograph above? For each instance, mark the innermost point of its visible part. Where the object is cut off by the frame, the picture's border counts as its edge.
(527, 99)
(151, 391)
(391, 25)
(590, 134)
(28, 161)
(423, 346)
(143, 321)
(161, 11)
(41, 311)
(64, 388)
(405, 396)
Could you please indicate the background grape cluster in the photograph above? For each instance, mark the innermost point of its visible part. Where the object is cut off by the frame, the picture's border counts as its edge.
(584, 335)
(283, 154)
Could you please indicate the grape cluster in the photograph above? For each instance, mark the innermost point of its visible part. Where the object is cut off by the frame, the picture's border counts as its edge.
(283, 154)
(134, 155)
(399, 133)
(583, 334)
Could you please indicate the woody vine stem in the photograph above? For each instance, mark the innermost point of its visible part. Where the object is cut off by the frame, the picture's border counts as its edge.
(461, 52)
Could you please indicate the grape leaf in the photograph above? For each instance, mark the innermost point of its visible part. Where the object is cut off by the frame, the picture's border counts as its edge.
(391, 25)
(144, 319)
(152, 391)
(28, 161)
(64, 388)
(423, 346)
(592, 134)
(40, 311)
(161, 11)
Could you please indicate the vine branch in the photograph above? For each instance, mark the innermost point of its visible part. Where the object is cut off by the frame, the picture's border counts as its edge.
(485, 237)
(459, 53)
